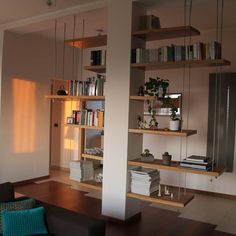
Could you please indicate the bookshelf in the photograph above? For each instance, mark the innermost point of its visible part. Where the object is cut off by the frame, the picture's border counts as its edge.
(96, 69)
(75, 98)
(177, 201)
(94, 157)
(174, 166)
(84, 126)
(182, 133)
(166, 33)
(180, 64)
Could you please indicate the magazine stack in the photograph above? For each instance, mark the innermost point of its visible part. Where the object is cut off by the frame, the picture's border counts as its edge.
(81, 170)
(144, 181)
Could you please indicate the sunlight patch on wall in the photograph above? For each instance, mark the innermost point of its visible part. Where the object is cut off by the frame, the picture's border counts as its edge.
(24, 114)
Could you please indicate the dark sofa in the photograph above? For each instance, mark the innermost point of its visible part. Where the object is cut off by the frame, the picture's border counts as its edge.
(61, 222)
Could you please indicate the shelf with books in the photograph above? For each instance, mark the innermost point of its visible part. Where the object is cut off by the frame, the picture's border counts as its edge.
(75, 98)
(174, 166)
(166, 33)
(182, 133)
(180, 64)
(91, 184)
(84, 126)
(94, 157)
(96, 68)
(88, 42)
(176, 201)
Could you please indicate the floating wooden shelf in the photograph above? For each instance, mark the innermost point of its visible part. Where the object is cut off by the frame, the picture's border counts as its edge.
(97, 69)
(88, 42)
(180, 64)
(176, 201)
(84, 126)
(174, 166)
(91, 184)
(182, 133)
(166, 33)
(142, 98)
(75, 98)
(94, 157)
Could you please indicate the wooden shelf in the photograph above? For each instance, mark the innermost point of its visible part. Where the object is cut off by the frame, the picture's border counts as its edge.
(84, 126)
(182, 201)
(75, 98)
(94, 157)
(97, 69)
(91, 184)
(88, 42)
(174, 166)
(183, 133)
(142, 98)
(166, 33)
(180, 64)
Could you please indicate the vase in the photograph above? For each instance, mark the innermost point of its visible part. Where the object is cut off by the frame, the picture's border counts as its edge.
(174, 125)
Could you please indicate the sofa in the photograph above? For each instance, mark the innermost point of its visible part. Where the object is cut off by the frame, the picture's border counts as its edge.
(60, 221)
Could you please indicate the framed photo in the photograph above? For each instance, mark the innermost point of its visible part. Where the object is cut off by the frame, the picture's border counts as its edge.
(166, 111)
(70, 120)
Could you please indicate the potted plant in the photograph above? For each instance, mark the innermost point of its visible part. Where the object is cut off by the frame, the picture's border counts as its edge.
(155, 87)
(175, 121)
(146, 156)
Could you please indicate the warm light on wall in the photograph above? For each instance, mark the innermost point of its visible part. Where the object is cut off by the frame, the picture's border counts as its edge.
(24, 114)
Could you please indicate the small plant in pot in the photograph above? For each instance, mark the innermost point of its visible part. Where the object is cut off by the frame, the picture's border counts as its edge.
(146, 156)
(175, 121)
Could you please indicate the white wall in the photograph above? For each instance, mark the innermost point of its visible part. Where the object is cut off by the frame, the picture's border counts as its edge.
(198, 113)
(26, 73)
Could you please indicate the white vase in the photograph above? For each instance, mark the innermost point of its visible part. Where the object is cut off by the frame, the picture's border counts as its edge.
(174, 125)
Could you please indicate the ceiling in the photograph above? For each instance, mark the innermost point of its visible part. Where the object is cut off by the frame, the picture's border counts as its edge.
(202, 17)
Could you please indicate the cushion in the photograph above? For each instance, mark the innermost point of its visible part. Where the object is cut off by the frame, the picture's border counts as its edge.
(17, 205)
(6, 192)
(24, 222)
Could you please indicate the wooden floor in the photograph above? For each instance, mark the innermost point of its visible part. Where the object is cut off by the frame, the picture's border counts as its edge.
(153, 221)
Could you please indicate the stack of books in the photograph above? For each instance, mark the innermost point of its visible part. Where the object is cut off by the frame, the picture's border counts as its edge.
(144, 181)
(197, 162)
(81, 170)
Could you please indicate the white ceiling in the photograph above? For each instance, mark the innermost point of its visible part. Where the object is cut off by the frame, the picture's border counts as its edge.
(203, 13)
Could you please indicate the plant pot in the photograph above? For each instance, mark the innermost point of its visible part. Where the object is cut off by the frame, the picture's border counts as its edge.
(166, 159)
(174, 125)
(147, 158)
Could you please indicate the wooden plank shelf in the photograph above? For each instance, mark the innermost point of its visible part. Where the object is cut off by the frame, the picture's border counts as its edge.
(75, 98)
(174, 166)
(180, 64)
(94, 157)
(88, 42)
(176, 201)
(97, 69)
(142, 98)
(183, 133)
(84, 126)
(91, 184)
(166, 33)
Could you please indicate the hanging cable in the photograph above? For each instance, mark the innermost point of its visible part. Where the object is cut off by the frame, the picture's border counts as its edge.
(73, 50)
(63, 53)
(55, 49)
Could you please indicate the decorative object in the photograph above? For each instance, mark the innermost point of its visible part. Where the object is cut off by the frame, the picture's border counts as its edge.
(142, 124)
(175, 121)
(166, 191)
(62, 91)
(166, 159)
(146, 156)
(159, 191)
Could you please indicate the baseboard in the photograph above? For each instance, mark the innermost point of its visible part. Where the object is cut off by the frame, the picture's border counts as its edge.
(30, 181)
(59, 168)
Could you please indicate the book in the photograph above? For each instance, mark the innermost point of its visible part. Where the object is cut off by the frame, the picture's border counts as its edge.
(196, 166)
(195, 158)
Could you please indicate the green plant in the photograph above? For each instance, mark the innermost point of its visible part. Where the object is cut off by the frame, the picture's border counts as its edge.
(156, 87)
(146, 153)
(169, 103)
(173, 113)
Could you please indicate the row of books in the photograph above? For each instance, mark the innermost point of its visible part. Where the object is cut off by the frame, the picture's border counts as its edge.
(197, 162)
(197, 51)
(98, 57)
(93, 86)
(87, 117)
(144, 181)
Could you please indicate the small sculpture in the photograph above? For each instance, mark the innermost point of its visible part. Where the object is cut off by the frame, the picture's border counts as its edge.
(146, 156)
(166, 159)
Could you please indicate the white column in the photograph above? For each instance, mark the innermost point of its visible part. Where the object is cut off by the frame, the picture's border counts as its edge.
(117, 109)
